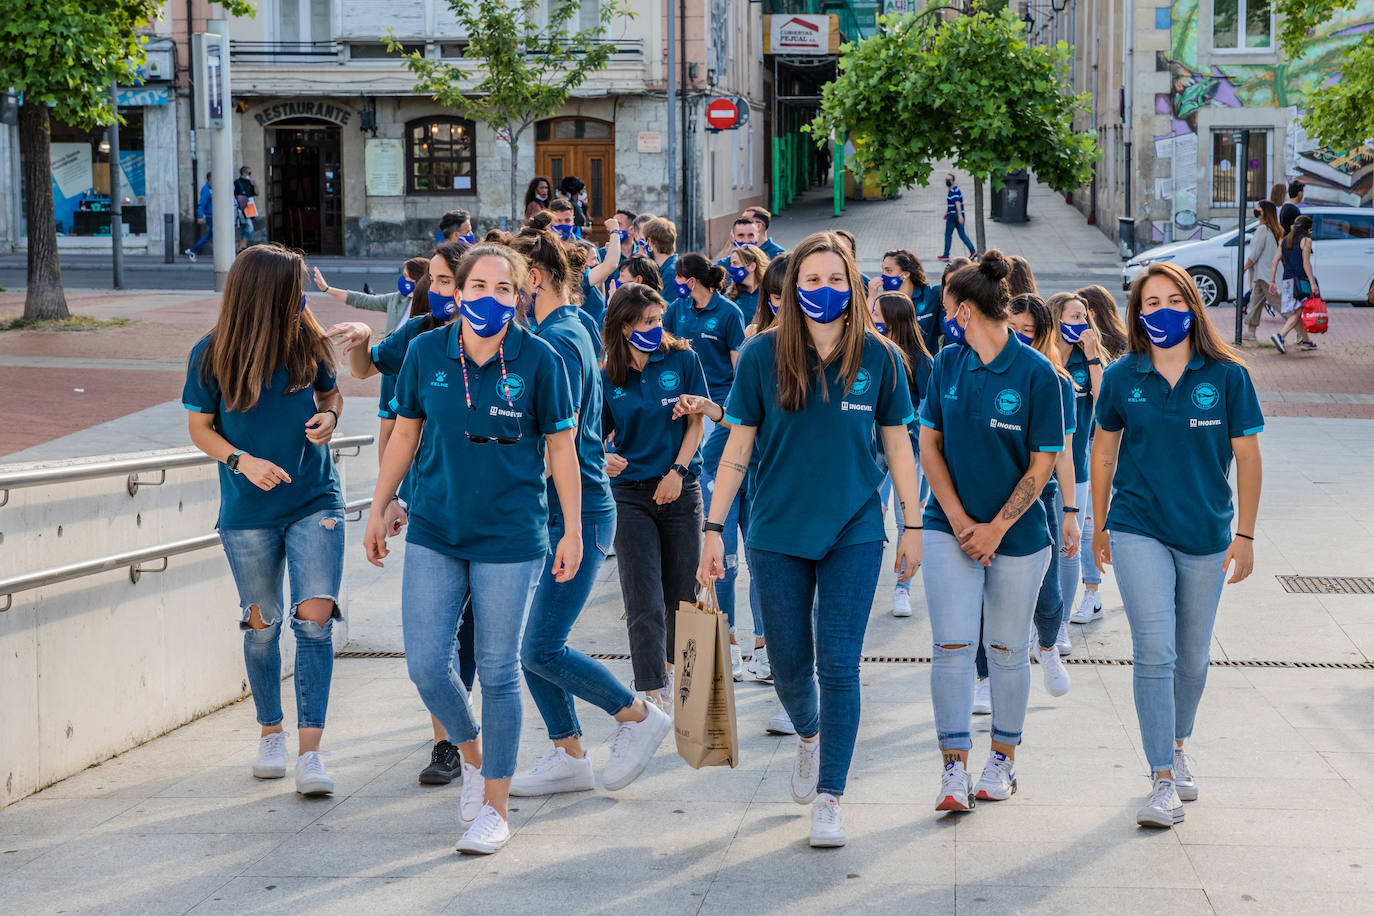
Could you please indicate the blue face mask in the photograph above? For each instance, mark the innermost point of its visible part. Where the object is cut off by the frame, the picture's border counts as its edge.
(682, 289)
(624, 236)
(442, 307)
(486, 316)
(470, 238)
(739, 244)
(1072, 332)
(302, 303)
(564, 232)
(823, 304)
(1167, 327)
(773, 305)
(892, 283)
(1028, 341)
(952, 329)
(738, 274)
(649, 249)
(647, 341)
(404, 285)
(882, 328)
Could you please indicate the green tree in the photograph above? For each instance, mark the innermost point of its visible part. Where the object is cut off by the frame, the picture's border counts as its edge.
(524, 70)
(1340, 114)
(969, 89)
(63, 56)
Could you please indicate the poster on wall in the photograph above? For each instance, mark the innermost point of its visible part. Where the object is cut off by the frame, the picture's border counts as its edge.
(802, 34)
(72, 177)
(384, 166)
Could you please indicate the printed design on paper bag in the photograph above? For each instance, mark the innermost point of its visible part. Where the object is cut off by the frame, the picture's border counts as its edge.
(689, 661)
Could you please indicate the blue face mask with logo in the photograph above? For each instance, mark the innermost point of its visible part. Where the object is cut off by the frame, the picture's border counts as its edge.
(682, 289)
(738, 274)
(647, 341)
(624, 236)
(1028, 341)
(952, 329)
(882, 328)
(823, 304)
(442, 307)
(892, 283)
(486, 315)
(1167, 327)
(470, 238)
(564, 232)
(404, 285)
(738, 244)
(1072, 332)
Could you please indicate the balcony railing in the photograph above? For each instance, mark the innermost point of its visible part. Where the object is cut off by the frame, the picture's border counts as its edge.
(327, 52)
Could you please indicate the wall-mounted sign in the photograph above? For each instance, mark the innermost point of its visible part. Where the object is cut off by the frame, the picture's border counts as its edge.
(385, 168)
(649, 141)
(141, 96)
(304, 108)
(208, 59)
(722, 113)
(795, 33)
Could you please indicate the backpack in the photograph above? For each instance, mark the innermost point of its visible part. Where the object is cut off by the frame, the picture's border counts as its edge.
(1314, 318)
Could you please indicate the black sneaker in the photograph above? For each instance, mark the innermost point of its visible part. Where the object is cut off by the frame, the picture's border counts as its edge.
(444, 765)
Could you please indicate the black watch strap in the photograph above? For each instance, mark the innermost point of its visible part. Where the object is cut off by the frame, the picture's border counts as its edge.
(682, 471)
(1095, 361)
(717, 527)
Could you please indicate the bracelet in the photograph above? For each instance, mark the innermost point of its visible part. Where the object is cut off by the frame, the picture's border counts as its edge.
(1070, 510)
(914, 527)
(1246, 536)
(713, 526)
(334, 412)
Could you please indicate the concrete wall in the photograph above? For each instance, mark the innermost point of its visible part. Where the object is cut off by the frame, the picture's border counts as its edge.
(97, 665)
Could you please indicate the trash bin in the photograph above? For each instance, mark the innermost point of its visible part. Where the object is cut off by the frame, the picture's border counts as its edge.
(1125, 236)
(1009, 203)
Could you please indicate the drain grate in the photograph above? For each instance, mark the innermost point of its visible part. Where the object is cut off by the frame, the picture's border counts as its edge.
(1328, 585)
(357, 654)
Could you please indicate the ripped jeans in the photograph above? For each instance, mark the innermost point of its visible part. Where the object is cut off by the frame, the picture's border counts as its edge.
(312, 551)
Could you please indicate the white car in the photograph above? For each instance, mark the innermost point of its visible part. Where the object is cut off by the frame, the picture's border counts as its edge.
(1342, 257)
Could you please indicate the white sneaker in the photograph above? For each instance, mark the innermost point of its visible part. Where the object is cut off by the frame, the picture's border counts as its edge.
(488, 833)
(473, 795)
(633, 746)
(781, 723)
(271, 762)
(1163, 808)
(557, 771)
(190, 255)
(669, 698)
(998, 782)
(806, 771)
(736, 663)
(827, 824)
(956, 789)
(311, 778)
(1062, 641)
(758, 668)
(901, 602)
(982, 697)
(1056, 675)
(1184, 783)
(1089, 608)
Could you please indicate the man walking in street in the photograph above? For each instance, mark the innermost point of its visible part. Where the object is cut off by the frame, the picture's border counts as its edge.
(1290, 211)
(203, 218)
(244, 193)
(954, 217)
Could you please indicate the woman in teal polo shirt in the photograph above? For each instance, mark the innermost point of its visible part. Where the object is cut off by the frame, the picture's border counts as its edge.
(654, 464)
(1171, 415)
(553, 671)
(812, 392)
(745, 267)
(992, 427)
(263, 401)
(490, 398)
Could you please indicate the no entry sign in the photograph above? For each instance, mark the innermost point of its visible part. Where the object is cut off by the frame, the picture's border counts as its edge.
(722, 113)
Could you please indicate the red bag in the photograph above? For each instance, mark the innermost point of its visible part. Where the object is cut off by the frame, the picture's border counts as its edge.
(1314, 315)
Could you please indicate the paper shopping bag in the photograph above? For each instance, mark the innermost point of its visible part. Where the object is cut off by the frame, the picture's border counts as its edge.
(704, 689)
(250, 209)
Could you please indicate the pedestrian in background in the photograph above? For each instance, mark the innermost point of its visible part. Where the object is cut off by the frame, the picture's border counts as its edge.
(954, 217)
(537, 195)
(245, 193)
(205, 210)
(1264, 243)
(1299, 281)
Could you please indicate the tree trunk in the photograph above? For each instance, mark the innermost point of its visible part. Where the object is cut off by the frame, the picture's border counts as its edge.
(517, 212)
(44, 300)
(979, 238)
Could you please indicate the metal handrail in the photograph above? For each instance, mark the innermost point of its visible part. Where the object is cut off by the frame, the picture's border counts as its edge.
(134, 559)
(179, 458)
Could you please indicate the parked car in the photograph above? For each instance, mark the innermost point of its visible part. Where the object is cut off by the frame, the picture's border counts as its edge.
(1342, 256)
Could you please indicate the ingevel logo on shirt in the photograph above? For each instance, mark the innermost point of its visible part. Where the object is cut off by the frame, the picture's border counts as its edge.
(1205, 396)
(995, 423)
(1194, 422)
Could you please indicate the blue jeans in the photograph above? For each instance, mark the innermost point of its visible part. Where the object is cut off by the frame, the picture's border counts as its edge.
(1083, 565)
(735, 520)
(312, 551)
(204, 239)
(434, 587)
(900, 517)
(554, 672)
(1049, 600)
(1171, 602)
(817, 612)
(959, 593)
(953, 225)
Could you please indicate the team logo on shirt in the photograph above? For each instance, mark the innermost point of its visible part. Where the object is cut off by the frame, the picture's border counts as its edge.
(862, 382)
(1205, 396)
(952, 393)
(514, 387)
(440, 380)
(668, 380)
(617, 393)
(1008, 402)
(1137, 396)
(1080, 378)
(711, 324)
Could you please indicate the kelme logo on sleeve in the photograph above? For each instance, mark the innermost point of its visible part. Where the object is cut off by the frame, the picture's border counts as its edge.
(1205, 396)
(514, 387)
(668, 380)
(1008, 402)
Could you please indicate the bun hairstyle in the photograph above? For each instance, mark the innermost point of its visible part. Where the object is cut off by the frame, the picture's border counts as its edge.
(984, 284)
(695, 267)
(543, 250)
(541, 220)
(496, 237)
(645, 271)
(627, 306)
(578, 256)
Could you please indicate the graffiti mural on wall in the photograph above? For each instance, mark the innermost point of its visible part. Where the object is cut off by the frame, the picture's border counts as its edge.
(1333, 176)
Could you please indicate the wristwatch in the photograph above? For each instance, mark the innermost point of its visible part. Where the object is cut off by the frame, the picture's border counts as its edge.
(1095, 361)
(232, 462)
(682, 471)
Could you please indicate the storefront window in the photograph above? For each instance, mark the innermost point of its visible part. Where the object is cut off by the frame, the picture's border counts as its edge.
(81, 177)
(441, 156)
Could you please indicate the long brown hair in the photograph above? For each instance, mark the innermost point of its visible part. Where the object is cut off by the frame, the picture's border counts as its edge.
(1203, 337)
(906, 260)
(757, 262)
(1058, 302)
(1301, 229)
(899, 317)
(793, 340)
(1269, 219)
(1022, 279)
(627, 306)
(771, 286)
(1102, 307)
(262, 327)
(1045, 327)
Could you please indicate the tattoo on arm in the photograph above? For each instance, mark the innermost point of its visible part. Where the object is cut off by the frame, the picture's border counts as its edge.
(734, 466)
(1021, 497)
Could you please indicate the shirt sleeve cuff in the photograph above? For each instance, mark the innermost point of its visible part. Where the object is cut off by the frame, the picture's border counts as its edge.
(195, 409)
(1254, 430)
(406, 411)
(1049, 448)
(1105, 427)
(929, 425)
(561, 425)
(734, 421)
(372, 352)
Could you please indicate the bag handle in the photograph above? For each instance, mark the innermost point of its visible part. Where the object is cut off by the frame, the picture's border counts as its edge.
(707, 598)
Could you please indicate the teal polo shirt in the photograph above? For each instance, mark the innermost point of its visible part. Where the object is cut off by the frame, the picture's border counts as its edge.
(638, 416)
(484, 503)
(993, 418)
(1066, 404)
(1171, 473)
(715, 331)
(564, 331)
(273, 430)
(772, 248)
(747, 303)
(390, 352)
(816, 486)
(593, 300)
(384, 399)
(1083, 411)
(929, 315)
(667, 271)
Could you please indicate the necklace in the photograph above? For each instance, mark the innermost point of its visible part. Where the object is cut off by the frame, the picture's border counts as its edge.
(462, 360)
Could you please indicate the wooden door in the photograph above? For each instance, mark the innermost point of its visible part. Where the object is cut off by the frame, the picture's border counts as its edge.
(585, 148)
(305, 190)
